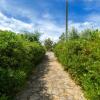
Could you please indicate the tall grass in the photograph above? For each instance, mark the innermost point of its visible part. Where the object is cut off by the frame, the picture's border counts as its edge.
(81, 58)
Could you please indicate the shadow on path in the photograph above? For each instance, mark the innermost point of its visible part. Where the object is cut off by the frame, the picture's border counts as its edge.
(36, 88)
(51, 82)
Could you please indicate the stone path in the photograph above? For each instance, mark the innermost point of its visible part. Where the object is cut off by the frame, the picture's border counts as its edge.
(51, 82)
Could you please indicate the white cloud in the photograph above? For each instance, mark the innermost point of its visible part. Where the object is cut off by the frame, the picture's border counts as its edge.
(92, 21)
(14, 9)
(49, 28)
(94, 17)
(80, 26)
(14, 24)
(44, 24)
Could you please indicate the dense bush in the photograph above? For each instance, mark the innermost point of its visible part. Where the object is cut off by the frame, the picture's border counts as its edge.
(32, 37)
(18, 56)
(48, 43)
(81, 57)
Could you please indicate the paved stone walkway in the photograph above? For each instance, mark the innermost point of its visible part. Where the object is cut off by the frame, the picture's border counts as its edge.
(51, 82)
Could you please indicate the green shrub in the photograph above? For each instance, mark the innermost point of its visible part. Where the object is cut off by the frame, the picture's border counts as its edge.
(4, 98)
(18, 57)
(81, 57)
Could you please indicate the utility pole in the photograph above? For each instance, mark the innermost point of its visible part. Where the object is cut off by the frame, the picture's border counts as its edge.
(66, 31)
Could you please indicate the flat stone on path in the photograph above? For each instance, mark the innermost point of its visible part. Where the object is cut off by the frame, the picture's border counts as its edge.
(51, 82)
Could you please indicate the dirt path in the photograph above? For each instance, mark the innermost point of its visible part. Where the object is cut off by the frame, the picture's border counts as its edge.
(51, 82)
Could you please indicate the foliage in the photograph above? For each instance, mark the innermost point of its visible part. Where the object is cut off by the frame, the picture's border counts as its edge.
(48, 44)
(62, 37)
(32, 36)
(18, 56)
(81, 57)
(73, 34)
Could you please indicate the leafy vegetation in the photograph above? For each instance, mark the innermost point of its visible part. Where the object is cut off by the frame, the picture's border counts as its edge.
(48, 44)
(19, 54)
(80, 55)
(32, 37)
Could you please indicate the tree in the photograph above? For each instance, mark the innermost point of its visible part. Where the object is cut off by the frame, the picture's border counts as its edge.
(62, 37)
(32, 36)
(73, 34)
(48, 44)
(90, 34)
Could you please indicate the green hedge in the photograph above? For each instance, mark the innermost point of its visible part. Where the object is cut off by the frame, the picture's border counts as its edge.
(81, 57)
(18, 57)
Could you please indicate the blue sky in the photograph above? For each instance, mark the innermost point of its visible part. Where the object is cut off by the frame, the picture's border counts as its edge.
(48, 16)
(84, 14)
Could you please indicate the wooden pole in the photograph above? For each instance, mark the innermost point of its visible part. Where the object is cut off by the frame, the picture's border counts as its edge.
(66, 31)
